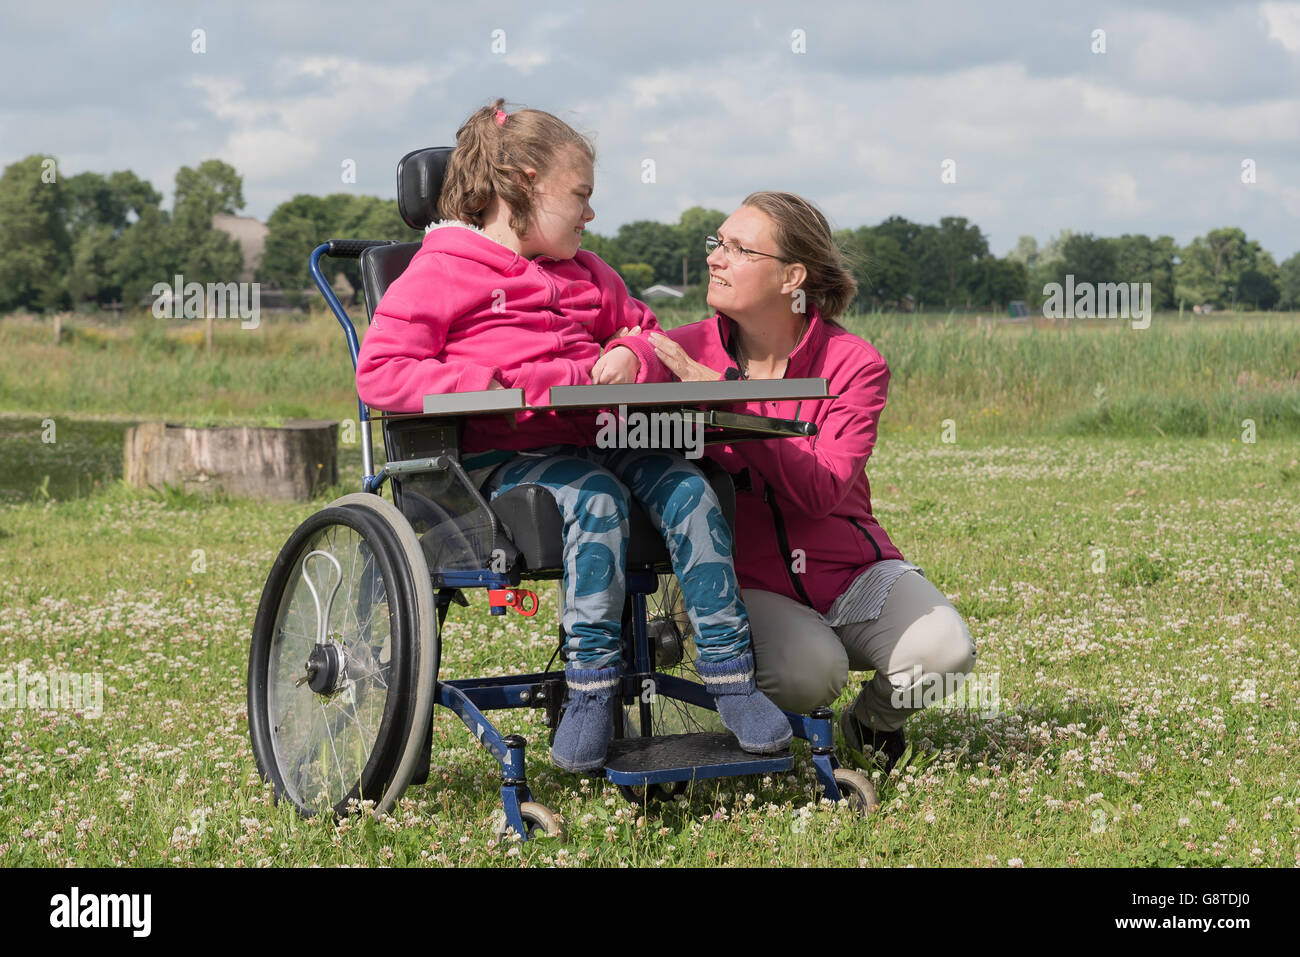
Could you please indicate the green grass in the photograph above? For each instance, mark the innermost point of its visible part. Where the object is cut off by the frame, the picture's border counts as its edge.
(1126, 562)
(1146, 713)
(150, 368)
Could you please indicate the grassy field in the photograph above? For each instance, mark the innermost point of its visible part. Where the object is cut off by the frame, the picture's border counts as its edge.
(1132, 595)
(1193, 377)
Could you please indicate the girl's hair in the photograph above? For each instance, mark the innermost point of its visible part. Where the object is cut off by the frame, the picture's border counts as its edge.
(803, 235)
(490, 158)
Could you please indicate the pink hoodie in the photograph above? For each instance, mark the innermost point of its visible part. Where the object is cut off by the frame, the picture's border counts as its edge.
(469, 310)
(809, 496)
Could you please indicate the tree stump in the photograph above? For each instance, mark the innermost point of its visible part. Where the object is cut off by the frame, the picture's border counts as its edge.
(277, 464)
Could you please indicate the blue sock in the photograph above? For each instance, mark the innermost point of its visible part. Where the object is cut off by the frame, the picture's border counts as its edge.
(758, 724)
(582, 740)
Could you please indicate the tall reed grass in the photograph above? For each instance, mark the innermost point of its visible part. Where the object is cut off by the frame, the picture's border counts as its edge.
(1178, 377)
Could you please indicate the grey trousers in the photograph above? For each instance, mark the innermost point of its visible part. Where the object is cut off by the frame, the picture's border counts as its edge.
(918, 642)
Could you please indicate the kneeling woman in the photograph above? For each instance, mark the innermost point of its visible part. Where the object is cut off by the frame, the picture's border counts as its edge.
(826, 589)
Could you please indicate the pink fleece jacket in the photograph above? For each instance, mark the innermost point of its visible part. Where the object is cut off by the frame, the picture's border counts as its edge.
(806, 529)
(469, 310)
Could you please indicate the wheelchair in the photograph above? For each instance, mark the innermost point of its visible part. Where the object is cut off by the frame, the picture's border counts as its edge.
(343, 665)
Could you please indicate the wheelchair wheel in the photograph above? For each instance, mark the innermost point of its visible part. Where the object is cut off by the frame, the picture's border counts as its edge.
(857, 790)
(331, 682)
(673, 647)
(428, 644)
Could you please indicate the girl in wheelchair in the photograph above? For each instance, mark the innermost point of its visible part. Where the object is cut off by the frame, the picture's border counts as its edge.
(501, 296)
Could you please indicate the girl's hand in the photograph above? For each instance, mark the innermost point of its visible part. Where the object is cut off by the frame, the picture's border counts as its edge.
(618, 366)
(625, 331)
(511, 418)
(679, 363)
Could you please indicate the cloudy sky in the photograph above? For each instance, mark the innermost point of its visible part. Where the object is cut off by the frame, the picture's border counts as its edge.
(856, 106)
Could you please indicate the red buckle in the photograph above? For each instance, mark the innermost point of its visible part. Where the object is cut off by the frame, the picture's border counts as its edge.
(521, 600)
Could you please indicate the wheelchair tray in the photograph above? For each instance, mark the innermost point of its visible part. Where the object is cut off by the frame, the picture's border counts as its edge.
(722, 392)
(721, 425)
(664, 394)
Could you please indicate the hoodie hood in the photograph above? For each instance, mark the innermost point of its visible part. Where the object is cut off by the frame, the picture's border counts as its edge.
(466, 241)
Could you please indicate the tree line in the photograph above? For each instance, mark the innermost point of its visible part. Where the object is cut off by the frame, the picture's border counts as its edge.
(101, 238)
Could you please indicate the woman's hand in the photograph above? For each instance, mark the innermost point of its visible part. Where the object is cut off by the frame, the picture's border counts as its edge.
(679, 363)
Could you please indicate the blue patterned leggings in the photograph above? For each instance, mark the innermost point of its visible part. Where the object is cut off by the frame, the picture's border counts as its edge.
(593, 488)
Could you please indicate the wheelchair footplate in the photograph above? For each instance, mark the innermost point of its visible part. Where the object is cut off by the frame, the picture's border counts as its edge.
(636, 762)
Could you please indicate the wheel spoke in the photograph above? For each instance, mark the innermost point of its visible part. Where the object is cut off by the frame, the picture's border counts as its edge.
(343, 783)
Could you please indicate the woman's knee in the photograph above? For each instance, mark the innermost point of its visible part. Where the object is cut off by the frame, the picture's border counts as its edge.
(816, 682)
(932, 636)
(799, 662)
(953, 649)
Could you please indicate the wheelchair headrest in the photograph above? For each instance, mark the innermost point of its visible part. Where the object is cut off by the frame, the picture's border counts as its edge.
(419, 183)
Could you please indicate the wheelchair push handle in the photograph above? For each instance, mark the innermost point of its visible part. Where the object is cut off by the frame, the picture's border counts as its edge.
(352, 248)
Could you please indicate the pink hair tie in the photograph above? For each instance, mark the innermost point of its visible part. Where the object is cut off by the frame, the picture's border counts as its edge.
(501, 117)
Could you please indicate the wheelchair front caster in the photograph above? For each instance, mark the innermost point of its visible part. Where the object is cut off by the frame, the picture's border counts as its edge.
(857, 790)
(539, 820)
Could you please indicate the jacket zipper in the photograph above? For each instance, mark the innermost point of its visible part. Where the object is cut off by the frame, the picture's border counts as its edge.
(784, 543)
(879, 554)
(552, 289)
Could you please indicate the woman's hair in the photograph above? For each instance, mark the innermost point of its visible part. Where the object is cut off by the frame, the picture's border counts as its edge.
(490, 158)
(804, 236)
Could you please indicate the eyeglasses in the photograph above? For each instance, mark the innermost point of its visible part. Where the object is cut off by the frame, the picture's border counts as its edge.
(734, 251)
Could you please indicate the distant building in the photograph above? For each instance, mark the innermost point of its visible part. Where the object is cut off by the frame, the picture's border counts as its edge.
(660, 291)
(251, 236)
(343, 288)
(906, 303)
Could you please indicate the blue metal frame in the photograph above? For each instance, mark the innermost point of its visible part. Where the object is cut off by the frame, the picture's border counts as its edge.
(469, 698)
(339, 312)
(369, 482)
